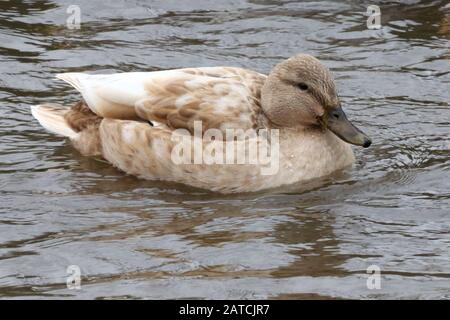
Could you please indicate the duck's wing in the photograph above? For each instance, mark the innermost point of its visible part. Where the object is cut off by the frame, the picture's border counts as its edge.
(219, 97)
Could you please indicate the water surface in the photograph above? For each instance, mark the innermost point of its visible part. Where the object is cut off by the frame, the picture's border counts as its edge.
(141, 239)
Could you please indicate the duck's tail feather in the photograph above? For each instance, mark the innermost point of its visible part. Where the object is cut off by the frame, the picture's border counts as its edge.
(51, 117)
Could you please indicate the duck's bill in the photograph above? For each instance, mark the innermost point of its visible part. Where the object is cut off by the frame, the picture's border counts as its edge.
(338, 123)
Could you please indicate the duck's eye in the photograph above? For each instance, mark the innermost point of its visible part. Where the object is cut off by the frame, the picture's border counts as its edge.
(303, 86)
(335, 115)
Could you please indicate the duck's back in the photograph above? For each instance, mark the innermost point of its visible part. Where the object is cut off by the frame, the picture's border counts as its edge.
(219, 97)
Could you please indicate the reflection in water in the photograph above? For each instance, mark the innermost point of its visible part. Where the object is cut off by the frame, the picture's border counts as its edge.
(136, 239)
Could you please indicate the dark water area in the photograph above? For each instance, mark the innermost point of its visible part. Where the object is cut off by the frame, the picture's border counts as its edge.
(140, 239)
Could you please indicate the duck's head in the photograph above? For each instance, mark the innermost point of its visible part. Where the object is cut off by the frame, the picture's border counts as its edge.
(300, 91)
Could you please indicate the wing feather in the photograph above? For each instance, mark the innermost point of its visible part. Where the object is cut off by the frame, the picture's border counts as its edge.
(220, 97)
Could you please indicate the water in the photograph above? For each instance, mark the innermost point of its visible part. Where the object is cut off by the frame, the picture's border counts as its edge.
(141, 239)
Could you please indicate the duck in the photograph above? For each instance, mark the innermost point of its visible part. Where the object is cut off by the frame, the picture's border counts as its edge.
(149, 124)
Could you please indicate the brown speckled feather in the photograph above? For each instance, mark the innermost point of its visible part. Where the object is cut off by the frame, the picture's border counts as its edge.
(220, 97)
(80, 117)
